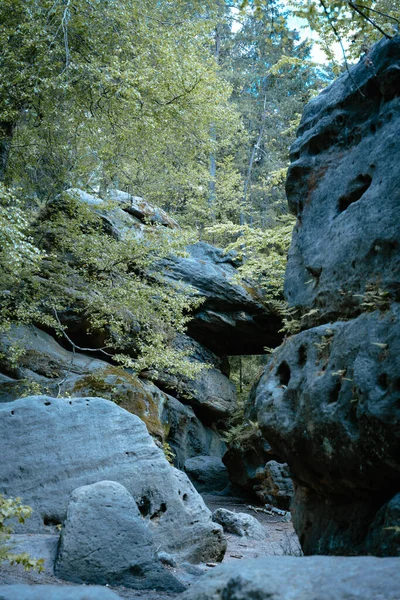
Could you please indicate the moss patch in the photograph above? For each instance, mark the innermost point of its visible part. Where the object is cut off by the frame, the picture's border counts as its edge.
(126, 390)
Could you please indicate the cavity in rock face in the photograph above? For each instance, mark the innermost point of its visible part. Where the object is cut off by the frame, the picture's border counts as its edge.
(329, 400)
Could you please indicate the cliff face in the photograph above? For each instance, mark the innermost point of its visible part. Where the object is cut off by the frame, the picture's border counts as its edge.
(329, 400)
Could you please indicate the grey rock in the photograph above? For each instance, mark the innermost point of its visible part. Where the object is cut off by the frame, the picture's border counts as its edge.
(106, 541)
(328, 405)
(55, 592)
(142, 210)
(305, 578)
(240, 524)
(383, 537)
(48, 367)
(207, 473)
(114, 215)
(52, 446)
(232, 319)
(211, 394)
(275, 485)
(187, 435)
(344, 185)
(38, 546)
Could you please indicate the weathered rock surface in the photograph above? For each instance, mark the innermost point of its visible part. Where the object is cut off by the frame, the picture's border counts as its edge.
(207, 473)
(51, 446)
(55, 592)
(46, 366)
(328, 402)
(305, 578)
(384, 534)
(106, 541)
(344, 185)
(124, 213)
(211, 394)
(275, 485)
(232, 320)
(187, 435)
(240, 524)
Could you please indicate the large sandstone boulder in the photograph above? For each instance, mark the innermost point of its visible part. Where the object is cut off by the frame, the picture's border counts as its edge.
(51, 446)
(46, 367)
(106, 541)
(21, 591)
(232, 319)
(344, 186)
(328, 402)
(304, 578)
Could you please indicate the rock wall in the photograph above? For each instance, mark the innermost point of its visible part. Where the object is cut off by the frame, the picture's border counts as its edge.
(329, 400)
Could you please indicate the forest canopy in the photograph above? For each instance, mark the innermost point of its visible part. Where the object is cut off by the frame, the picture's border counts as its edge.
(192, 106)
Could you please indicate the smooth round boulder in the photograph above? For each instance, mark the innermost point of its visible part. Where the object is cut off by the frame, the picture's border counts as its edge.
(106, 541)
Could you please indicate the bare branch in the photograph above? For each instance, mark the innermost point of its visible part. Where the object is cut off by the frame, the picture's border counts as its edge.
(73, 343)
(335, 31)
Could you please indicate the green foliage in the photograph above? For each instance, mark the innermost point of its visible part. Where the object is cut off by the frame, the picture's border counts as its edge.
(19, 255)
(263, 252)
(11, 508)
(168, 452)
(374, 298)
(355, 25)
(115, 283)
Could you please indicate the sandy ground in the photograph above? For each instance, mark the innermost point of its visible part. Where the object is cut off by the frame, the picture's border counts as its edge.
(281, 540)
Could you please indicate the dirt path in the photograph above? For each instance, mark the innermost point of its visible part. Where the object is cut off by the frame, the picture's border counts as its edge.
(281, 540)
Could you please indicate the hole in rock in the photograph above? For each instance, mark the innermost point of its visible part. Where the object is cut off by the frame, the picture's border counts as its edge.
(302, 355)
(144, 506)
(383, 381)
(47, 403)
(283, 373)
(12, 412)
(137, 571)
(184, 497)
(157, 514)
(48, 520)
(357, 188)
(334, 393)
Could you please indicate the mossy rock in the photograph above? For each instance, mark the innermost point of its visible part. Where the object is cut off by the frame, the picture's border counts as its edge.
(126, 390)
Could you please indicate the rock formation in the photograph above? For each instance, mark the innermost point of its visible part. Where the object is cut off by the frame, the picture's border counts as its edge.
(304, 578)
(51, 446)
(328, 402)
(105, 541)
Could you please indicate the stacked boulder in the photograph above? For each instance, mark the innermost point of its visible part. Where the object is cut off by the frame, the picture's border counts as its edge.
(329, 400)
(91, 467)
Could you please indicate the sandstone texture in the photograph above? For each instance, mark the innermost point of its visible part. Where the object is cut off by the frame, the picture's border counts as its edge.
(232, 319)
(208, 473)
(187, 435)
(106, 541)
(51, 446)
(240, 524)
(343, 184)
(305, 578)
(22, 591)
(328, 402)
